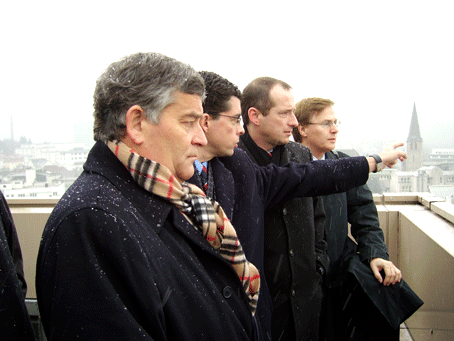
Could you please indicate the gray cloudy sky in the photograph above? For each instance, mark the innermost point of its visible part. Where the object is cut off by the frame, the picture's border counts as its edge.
(373, 59)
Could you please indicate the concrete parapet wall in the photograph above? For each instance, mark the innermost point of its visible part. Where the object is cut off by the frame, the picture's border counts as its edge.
(418, 229)
(420, 237)
(30, 217)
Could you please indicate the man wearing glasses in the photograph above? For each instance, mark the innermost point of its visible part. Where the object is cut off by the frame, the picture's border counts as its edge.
(348, 312)
(218, 167)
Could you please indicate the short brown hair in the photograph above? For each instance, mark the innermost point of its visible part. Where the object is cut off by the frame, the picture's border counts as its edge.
(257, 95)
(306, 109)
(219, 90)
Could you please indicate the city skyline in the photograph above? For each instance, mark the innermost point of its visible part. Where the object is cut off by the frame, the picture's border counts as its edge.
(82, 132)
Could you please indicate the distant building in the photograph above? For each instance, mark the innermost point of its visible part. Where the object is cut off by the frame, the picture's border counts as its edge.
(68, 155)
(443, 191)
(436, 176)
(414, 145)
(42, 170)
(12, 162)
(443, 158)
(32, 184)
(73, 159)
(35, 192)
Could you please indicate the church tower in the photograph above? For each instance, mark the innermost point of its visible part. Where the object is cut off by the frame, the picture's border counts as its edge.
(414, 145)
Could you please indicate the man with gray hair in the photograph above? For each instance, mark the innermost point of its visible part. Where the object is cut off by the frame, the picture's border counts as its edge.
(132, 251)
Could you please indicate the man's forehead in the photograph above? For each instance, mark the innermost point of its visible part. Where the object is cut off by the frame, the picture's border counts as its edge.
(280, 96)
(188, 102)
(318, 114)
(191, 114)
(234, 103)
(327, 111)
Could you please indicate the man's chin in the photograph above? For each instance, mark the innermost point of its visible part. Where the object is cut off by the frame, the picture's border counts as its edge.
(282, 142)
(285, 138)
(186, 174)
(227, 153)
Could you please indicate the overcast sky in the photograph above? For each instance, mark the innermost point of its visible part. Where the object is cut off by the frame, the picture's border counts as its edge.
(373, 60)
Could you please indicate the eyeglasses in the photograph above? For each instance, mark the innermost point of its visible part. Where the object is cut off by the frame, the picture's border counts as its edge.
(237, 119)
(327, 124)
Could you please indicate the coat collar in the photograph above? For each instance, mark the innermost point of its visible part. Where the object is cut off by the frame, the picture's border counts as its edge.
(101, 161)
(260, 156)
(331, 155)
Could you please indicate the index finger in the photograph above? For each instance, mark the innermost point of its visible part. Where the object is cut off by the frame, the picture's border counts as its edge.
(397, 145)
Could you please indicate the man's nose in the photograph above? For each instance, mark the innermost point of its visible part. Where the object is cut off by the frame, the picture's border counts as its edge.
(293, 121)
(199, 137)
(240, 130)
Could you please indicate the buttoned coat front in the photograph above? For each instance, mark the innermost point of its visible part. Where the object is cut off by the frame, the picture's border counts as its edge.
(295, 253)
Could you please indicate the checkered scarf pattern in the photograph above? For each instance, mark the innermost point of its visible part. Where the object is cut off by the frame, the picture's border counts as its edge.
(205, 214)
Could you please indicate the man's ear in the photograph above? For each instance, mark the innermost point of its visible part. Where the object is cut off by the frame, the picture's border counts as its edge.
(302, 130)
(254, 115)
(135, 119)
(205, 122)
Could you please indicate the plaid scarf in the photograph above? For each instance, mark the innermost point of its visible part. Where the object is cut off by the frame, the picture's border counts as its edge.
(205, 214)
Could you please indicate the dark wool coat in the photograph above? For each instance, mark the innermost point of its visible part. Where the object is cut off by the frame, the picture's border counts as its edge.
(118, 263)
(14, 319)
(356, 207)
(246, 190)
(295, 251)
(13, 241)
(225, 193)
(349, 265)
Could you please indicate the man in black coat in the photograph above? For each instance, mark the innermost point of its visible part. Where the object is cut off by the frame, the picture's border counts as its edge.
(14, 319)
(131, 251)
(350, 310)
(295, 249)
(244, 189)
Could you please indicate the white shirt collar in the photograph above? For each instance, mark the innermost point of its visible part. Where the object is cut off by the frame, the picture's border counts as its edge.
(315, 159)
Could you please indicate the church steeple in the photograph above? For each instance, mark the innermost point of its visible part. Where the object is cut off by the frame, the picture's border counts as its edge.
(414, 145)
(414, 134)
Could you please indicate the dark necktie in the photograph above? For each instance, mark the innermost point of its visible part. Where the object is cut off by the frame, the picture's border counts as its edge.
(204, 178)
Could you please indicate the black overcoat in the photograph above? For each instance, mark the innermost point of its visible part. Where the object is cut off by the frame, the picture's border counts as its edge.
(118, 263)
(14, 319)
(295, 251)
(349, 263)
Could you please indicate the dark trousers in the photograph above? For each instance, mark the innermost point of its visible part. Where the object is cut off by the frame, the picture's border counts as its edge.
(282, 326)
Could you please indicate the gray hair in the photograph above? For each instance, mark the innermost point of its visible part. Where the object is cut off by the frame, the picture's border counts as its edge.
(149, 80)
